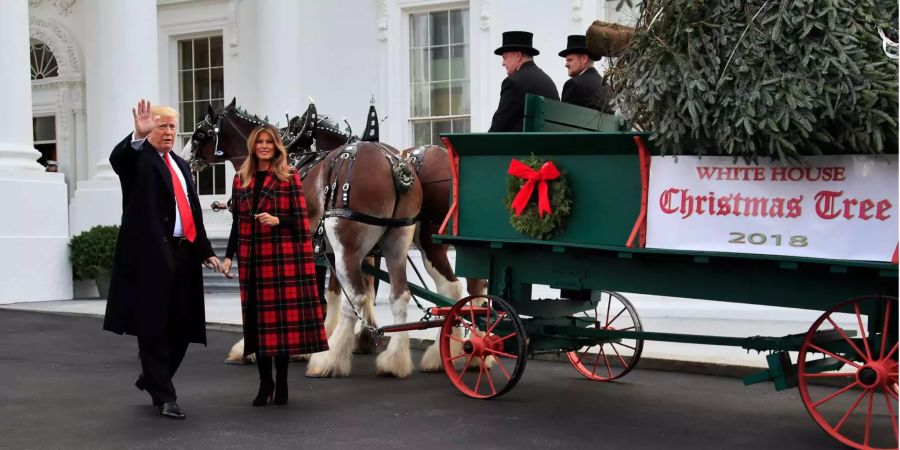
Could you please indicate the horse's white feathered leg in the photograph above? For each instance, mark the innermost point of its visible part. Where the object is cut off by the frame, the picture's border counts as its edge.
(335, 362)
(333, 299)
(396, 360)
(236, 355)
(366, 341)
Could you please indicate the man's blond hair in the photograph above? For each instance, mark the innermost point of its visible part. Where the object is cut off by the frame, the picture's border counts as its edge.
(163, 111)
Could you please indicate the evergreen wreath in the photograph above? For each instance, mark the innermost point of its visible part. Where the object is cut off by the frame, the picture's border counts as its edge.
(530, 222)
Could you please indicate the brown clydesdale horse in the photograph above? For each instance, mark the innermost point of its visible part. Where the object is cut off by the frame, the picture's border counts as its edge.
(310, 136)
(362, 213)
(432, 164)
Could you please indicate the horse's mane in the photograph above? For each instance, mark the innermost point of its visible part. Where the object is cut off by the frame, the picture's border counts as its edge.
(326, 125)
(247, 117)
(254, 120)
(296, 140)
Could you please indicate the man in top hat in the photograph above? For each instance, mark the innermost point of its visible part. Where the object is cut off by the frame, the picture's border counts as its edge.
(586, 87)
(524, 77)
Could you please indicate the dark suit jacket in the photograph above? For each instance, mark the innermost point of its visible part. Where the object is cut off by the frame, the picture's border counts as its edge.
(141, 283)
(588, 90)
(529, 79)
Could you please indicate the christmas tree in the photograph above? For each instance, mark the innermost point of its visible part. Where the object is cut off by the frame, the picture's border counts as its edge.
(757, 78)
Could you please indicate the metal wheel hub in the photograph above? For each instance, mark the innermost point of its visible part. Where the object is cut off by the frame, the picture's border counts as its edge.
(481, 346)
(474, 346)
(867, 376)
(873, 374)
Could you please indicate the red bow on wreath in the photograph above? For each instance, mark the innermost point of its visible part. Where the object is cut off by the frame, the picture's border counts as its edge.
(546, 173)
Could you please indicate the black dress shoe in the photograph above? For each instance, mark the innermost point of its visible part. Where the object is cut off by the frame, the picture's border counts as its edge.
(141, 384)
(171, 410)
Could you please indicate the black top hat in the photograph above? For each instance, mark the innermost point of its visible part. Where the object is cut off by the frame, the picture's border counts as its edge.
(576, 43)
(517, 41)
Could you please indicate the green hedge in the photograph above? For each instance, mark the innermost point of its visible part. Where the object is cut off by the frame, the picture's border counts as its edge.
(91, 252)
(757, 78)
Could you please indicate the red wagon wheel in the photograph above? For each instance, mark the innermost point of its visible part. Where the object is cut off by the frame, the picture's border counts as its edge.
(615, 358)
(853, 349)
(483, 346)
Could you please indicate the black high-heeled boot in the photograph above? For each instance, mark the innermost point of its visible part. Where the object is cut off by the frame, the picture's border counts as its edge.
(266, 386)
(281, 384)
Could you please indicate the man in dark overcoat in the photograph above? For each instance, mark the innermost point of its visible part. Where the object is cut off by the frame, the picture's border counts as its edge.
(523, 77)
(585, 87)
(156, 289)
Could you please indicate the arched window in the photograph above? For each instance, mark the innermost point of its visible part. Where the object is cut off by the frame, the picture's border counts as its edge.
(43, 63)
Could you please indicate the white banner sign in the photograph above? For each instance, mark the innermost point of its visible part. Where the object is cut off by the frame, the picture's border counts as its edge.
(836, 207)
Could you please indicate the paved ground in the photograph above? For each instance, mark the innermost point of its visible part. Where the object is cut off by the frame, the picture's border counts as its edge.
(660, 314)
(66, 384)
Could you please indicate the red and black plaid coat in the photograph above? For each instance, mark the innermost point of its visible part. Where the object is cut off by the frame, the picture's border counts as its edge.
(289, 317)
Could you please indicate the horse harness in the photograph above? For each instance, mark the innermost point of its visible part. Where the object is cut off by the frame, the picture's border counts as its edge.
(416, 157)
(207, 127)
(344, 161)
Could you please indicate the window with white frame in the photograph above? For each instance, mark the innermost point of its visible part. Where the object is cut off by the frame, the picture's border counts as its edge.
(438, 74)
(43, 62)
(201, 81)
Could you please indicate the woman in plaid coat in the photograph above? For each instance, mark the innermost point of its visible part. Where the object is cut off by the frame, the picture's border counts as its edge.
(270, 233)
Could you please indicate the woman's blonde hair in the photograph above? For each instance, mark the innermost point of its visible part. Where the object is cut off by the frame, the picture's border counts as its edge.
(279, 165)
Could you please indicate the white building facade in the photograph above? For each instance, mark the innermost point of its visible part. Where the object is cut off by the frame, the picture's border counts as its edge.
(428, 63)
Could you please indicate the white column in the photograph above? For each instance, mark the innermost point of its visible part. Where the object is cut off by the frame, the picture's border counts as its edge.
(485, 70)
(16, 145)
(34, 231)
(122, 66)
(279, 84)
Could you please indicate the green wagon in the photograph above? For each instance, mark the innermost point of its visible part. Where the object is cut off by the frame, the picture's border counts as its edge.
(845, 364)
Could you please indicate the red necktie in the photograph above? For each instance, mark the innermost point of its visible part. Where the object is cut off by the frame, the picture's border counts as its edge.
(184, 208)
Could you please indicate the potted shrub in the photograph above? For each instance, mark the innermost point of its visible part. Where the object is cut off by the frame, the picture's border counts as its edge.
(91, 253)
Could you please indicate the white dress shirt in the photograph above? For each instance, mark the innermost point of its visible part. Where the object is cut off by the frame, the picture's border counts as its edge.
(137, 144)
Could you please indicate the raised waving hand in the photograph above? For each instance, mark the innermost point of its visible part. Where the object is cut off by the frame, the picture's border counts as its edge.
(144, 122)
